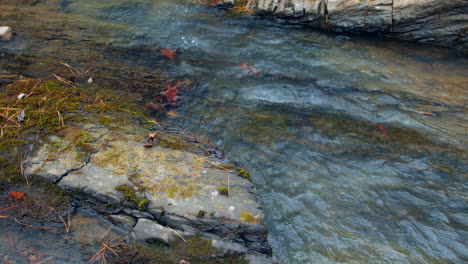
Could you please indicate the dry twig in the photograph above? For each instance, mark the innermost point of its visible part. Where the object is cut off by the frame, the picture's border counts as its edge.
(66, 224)
(217, 166)
(106, 246)
(22, 171)
(67, 82)
(177, 233)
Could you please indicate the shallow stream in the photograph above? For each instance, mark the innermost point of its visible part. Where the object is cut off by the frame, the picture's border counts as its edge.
(357, 145)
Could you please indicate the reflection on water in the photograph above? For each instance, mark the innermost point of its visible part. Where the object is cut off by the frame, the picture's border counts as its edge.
(335, 189)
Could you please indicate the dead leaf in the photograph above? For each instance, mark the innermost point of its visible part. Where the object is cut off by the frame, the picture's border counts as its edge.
(16, 195)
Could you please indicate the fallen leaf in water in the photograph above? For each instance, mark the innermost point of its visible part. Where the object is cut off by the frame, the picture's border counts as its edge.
(248, 68)
(383, 130)
(171, 93)
(245, 67)
(425, 113)
(261, 116)
(153, 106)
(172, 113)
(16, 195)
(171, 54)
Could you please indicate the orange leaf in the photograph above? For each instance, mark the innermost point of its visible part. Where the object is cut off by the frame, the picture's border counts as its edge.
(16, 195)
(169, 53)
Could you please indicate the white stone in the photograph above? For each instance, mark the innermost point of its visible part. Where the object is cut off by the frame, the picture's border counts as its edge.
(6, 32)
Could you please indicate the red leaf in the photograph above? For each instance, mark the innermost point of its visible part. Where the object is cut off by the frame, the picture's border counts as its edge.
(153, 106)
(383, 130)
(215, 2)
(169, 53)
(248, 68)
(16, 195)
(171, 92)
(245, 67)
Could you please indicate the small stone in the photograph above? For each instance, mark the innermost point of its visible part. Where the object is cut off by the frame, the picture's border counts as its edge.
(123, 221)
(6, 32)
(147, 230)
(256, 258)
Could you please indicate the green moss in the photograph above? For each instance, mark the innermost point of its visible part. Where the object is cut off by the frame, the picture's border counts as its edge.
(248, 217)
(212, 214)
(174, 189)
(223, 190)
(244, 174)
(133, 177)
(131, 196)
(201, 214)
(172, 142)
(143, 204)
(447, 169)
(226, 166)
(109, 158)
(197, 250)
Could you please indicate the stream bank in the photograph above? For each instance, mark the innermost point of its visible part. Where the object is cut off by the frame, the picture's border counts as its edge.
(356, 144)
(89, 141)
(430, 21)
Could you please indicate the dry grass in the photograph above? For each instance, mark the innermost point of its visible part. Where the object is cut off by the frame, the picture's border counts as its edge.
(9, 114)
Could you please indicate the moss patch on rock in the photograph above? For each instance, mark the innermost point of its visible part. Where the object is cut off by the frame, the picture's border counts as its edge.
(174, 189)
(196, 250)
(131, 196)
(244, 174)
(249, 217)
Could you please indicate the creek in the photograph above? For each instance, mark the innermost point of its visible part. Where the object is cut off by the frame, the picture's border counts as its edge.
(357, 145)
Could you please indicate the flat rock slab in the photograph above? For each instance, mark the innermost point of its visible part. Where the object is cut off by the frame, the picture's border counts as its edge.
(180, 184)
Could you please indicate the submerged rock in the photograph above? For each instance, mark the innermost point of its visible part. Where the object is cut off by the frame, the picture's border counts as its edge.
(439, 22)
(6, 32)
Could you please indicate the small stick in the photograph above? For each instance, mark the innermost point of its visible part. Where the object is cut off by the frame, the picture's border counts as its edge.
(46, 260)
(61, 122)
(40, 227)
(229, 192)
(64, 81)
(66, 224)
(219, 167)
(23, 172)
(177, 233)
(10, 242)
(107, 232)
(13, 206)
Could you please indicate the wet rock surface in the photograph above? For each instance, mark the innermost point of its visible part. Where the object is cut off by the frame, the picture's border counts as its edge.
(439, 22)
(174, 185)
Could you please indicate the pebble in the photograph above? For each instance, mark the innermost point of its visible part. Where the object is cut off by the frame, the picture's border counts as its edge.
(6, 32)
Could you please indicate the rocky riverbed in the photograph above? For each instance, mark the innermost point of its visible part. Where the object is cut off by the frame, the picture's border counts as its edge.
(153, 182)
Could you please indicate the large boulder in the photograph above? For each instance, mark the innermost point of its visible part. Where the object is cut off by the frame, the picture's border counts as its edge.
(439, 22)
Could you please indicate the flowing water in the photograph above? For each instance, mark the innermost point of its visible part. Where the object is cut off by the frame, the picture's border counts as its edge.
(357, 145)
